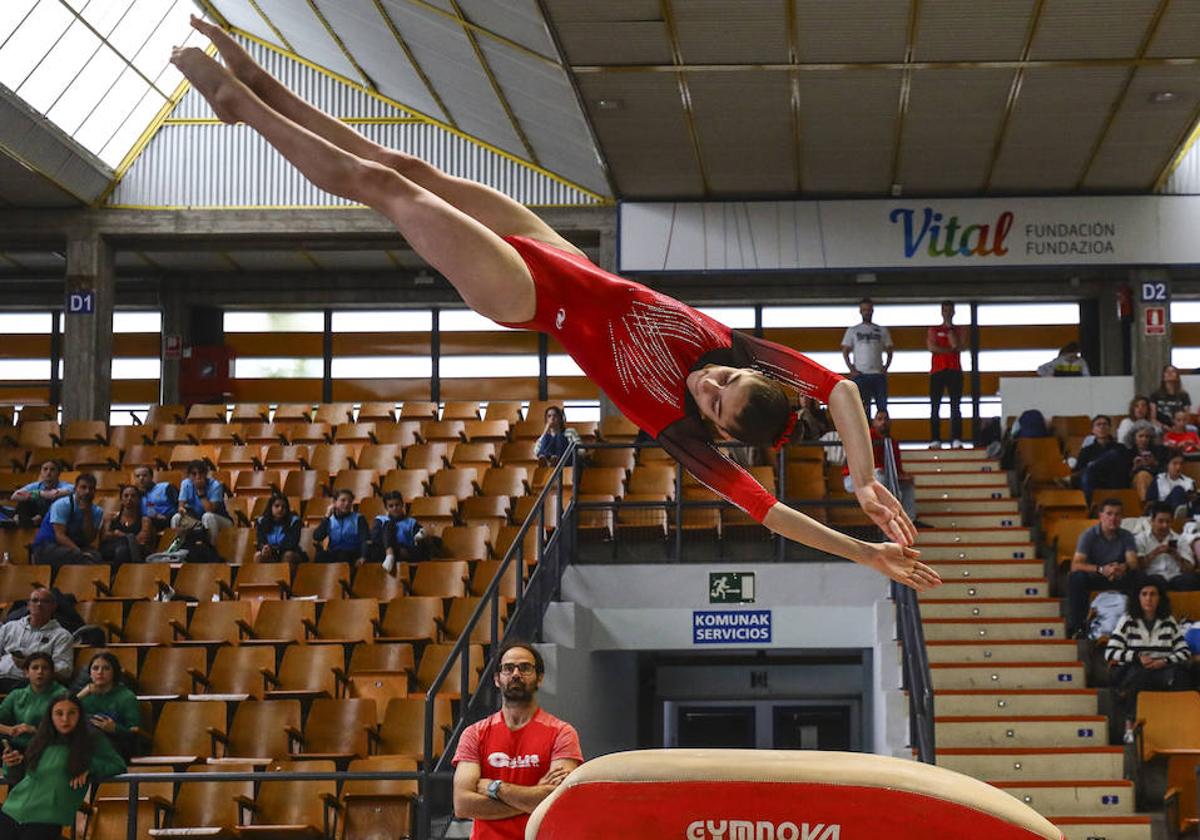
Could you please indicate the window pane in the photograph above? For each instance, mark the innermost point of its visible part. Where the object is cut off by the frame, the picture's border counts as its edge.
(151, 57)
(1186, 358)
(104, 16)
(25, 323)
(136, 27)
(114, 107)
(116, 148)
(81, 97)
(306, 322)
(481, 367)
(24, 369)
(137, 322)
(562, 365)
(382, 367)
(59, 67)
(12, 12)
(994, 361)
(278, 368)
(737, 317)
(31, 40)
(136, 368)
(119, 415)
(1026, 314)
(400, 320)
(464, 320)
(1185, 311)
(887, 314)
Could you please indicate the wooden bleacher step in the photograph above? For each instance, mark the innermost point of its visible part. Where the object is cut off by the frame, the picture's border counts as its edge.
(1113, 798)
(929, 492)
(950, 629)
(932, 552)
(983, 588)
(978, 536)
(1132, 827)
(1005, 676)
(984, 652)
(997, 480)
(933, 507)
(954, 467)
(1035, 763)
(990, 608)
(945, 455)
(966, 521)
(1023, 731)
(1018, 702)
(986, 569)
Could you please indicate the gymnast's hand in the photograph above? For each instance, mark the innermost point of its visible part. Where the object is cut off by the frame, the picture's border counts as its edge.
(900, 564)
(885, 511)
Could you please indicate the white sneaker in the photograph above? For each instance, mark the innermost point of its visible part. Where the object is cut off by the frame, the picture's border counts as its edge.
(937, 444)
(1128, 739)
(389, 563)
(956, 444)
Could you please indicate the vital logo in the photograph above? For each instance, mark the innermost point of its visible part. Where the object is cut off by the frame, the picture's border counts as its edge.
(760, 830)
(501, 760)
(944, 238)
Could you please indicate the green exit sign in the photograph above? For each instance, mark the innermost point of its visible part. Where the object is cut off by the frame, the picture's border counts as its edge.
(731, 587)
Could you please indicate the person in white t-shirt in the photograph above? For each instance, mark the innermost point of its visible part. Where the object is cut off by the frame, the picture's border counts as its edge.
(1161, 555)
(867, 349)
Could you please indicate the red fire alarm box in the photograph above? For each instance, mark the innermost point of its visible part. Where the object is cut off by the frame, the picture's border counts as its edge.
(206, 374)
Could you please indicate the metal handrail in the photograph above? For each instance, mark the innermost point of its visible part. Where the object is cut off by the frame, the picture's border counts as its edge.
(917, 678)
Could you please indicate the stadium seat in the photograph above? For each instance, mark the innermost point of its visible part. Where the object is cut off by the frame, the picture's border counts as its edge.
(82, 432)
(218, 622)
(219, 434)
(176, 434)
(403, 434)
(262, 731)
(295, 809)
(305, 484)
(384, 657)
(104, 614)
(373, 581)
(240, 510)
(482, 574)
(479, 456)
(434, 512)
(127, 656)
(408, 483)
(240, 457)
(334, 413)
(509, 410)
(286, 456)
(307, 671)
(36, 433)
(329, 458)
(461, 410)
(311, 434)
(519, 453)
(292, 413)
(258, 482)
(361, 482)
(374, 809)
(91, 458)
(465, 542)
(486, 431)
(186, 732)
(205, 809)
(434, 657)
(1167, 721)
(138, 581)
(356, 433)
(345, 621)
(418, 410)
(323, 581)
(458, 616)
(166, 413)
(280, 622)
(241, 670)
(441, 578)
(83, 581)
(153, 623)
(37, 413)
(402, 732)
(508, 481)
(169, 673)
(426, 456)
(338, 730)
(250, 413)
(459, 483)
(411, 619)
(378, 412)
(144, 455)
(263, 434)
(236, 545)
(380, 457)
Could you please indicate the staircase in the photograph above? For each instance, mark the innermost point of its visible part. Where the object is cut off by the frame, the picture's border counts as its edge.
(1012, 706)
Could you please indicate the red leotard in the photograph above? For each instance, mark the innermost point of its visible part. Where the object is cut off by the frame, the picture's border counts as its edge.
(639, 346)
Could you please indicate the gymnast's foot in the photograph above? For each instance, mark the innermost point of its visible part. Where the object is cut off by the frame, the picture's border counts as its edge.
(214, 82)
(237, 60)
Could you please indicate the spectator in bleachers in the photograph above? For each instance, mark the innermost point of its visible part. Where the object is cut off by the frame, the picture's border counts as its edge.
(49, 783)
(126, 535)
(812, 422)
(867, 342)
(881, 430)
(277, 533)
(24, 707)
(38, 631)
(70, 531)
(1161, 556)
(1101, 463)
(1146, 459)
(556, 437)
(1105, 558)
(1169, 397)
(396, 536)
(1147, 651)
(1139, 409)
(1068, 362)
(109, 704)
(945, 343)
(202, 499)
(1172, 486)
(343, 536)
(34, 499)
(1179, 436)
(160, 499)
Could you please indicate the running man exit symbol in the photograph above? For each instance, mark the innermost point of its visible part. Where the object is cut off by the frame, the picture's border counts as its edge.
(731, 587)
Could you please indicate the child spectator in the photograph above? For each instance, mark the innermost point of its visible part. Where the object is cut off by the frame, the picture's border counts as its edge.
(1171, 485)
(24, 708)
(395, 535)
(109, 704)
(34, 499)
(1179, 436)
(202, 498)
(1169, 398)
(277, 535)
(127, 535)
(343, 536)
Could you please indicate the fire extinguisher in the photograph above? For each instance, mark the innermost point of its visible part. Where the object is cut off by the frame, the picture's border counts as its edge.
(1124, 302)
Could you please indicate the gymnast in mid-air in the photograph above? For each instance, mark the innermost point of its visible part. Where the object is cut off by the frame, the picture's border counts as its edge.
(683, 377)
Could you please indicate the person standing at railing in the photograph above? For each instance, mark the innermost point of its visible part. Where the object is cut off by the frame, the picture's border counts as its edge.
(945, 343)
(508, 763)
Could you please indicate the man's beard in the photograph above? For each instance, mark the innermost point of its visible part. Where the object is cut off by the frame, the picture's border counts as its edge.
(518, 692)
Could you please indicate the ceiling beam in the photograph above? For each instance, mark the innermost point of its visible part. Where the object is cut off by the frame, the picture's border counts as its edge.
(1179, 150)
(910, 43)
(287, 45)
(685, 94)
(838, 66)
(498, 91)
(416, 65)
(1014, 91)
(1119, 99)
(341, 45)
(793, 26)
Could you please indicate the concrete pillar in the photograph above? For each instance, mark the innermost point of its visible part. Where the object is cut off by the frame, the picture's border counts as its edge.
(606, 258)
(1150, 351)
(87, 328)
(174, 323)
(1111, 334)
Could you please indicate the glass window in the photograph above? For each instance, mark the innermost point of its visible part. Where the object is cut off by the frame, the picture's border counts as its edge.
(24, 370)
(59, 67)
(26, 46)
(136, 368)
(25, 323)
(278, 368)
(132, 127)
(464, 320)
(268, 322)
(1027, 314)
(487, 367)
(1185, 311)
(112, 109)
(12, 12)
(562, 365)
(137, 322)
(77, 101)
(737, 317)
(399, 320)
(887, 314)
(119, 415)
(1186, 359)
(382, 367)
(996, 361)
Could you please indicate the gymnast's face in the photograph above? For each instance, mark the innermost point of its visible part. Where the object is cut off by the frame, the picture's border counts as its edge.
(721, 393)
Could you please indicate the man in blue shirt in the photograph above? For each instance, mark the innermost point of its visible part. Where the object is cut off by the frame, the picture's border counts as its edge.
(202, 498)
(160, 500)
(35, 498)
(69, 532)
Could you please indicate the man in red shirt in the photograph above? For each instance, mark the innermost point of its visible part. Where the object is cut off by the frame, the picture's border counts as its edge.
(508, 763)
(945, 341)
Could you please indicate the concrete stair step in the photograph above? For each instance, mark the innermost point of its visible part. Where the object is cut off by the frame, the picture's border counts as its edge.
(990, 607)
(952, 467)
(973, 536)
(1035, 763)
(914, 455)
(1077, 797)
(997, 480)
(984, 588)
(1023, 731)
(932, 492)
(952, 505)
(933, 552)
(1017, 703)
(987, 569)
(1132, 827)
(970, 521)
(1043, 650)
(1006, 676)
(964, 629)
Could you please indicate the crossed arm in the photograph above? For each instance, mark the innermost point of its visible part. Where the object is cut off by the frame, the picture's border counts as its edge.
(472, 802)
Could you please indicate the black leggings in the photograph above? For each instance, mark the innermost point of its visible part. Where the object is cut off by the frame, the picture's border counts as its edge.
(10, 829)
(951, 381)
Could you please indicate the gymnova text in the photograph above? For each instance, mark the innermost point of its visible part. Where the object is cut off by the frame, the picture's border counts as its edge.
(760, 830)
(936, 235)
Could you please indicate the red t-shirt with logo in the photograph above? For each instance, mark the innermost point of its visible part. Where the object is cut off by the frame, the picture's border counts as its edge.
(939, 336)
(520, 756)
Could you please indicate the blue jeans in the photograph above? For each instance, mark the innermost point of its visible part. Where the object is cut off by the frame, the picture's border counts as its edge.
(872, 386)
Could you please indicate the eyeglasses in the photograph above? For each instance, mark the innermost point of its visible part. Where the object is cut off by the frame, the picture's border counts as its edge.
(524, 667)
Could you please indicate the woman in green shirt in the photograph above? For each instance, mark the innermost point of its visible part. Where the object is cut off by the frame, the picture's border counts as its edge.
(24, 708)
(109, 704)
(51, 779)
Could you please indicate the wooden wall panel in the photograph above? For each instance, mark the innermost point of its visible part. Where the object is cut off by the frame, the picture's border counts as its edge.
(375, 390)
(276, 344)
(381, 344)
(276, 390)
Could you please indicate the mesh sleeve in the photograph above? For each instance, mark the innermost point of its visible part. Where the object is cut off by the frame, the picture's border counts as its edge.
(785, 365)
(687, 442)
